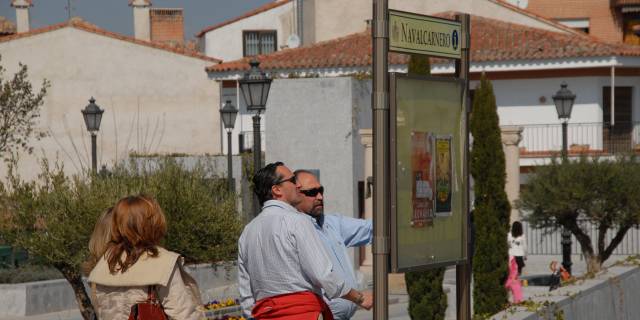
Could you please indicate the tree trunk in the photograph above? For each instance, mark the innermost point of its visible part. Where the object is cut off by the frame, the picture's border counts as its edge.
(594, 264)
(592, 260)
(622, 231)
(75, 280)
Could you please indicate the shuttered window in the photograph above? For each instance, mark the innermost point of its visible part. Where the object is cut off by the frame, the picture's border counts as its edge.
(259, 42)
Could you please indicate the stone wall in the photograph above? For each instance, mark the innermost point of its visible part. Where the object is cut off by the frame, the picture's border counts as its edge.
(611, 295)
(33, 298)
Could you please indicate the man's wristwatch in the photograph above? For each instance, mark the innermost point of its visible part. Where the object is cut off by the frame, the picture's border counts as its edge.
(360, 298)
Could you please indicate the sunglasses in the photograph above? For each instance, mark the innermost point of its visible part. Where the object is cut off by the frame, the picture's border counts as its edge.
(292, 179)
(313, 192)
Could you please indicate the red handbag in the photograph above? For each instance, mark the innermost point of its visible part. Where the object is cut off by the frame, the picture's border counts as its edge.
(151, 309)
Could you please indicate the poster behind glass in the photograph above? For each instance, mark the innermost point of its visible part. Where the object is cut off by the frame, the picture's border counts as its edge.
(428, 133)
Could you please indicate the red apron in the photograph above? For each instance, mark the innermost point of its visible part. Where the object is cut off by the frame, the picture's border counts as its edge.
(303, 305)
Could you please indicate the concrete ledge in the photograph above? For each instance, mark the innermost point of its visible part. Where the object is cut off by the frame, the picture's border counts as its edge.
(32, 298)
(610, 295)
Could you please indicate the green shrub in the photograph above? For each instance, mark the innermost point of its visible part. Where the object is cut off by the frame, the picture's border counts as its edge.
(53, 217)
(29, 273)
(426, 297)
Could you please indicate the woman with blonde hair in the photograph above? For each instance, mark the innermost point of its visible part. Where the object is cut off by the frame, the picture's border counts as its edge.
(99, 240)
(134, 265)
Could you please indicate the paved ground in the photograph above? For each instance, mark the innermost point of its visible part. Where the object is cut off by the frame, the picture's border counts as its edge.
(398, 298)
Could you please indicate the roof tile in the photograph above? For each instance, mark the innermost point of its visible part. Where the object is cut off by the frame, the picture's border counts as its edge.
(491, 40)
(85, 26)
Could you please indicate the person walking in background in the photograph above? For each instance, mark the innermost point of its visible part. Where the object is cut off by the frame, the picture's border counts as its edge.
(135, 267)
(517, 245)
(282, 265)
(337, 233)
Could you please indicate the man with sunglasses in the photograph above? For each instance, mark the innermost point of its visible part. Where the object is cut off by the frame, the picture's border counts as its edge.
(283, 267)
(337, 233)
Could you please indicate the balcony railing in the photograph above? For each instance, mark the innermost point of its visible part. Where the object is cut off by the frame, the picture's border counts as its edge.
(595, 138)
(547, 241)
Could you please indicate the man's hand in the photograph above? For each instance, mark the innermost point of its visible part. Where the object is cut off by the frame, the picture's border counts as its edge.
(367, 303)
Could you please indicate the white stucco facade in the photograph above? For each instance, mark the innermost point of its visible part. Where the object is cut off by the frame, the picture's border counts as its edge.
(333, 18)
(329, 19)
(226, 42)
(155, 101)
(528, 103)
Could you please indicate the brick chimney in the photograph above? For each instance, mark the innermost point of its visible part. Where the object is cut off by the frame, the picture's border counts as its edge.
(167, 26)
(22, 14)
(141, 20)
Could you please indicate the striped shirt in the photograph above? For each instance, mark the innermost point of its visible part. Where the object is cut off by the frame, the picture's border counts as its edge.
(280, 252)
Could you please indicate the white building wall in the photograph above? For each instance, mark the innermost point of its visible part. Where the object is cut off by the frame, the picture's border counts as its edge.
(226, 42)
(520, 103)
(321, 132)
(330, 19)
(336, 18)
(156, 101)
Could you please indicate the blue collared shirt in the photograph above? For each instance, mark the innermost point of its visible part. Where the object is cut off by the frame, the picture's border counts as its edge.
(338, 233)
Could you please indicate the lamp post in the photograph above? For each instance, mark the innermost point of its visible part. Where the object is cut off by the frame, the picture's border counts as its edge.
(563, 99)
(228, 114)
(255, 87)
(92, 115)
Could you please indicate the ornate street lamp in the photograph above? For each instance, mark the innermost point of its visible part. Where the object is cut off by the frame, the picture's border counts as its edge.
(564, 99)
(255, 87)
(92, 115)
(228, 114)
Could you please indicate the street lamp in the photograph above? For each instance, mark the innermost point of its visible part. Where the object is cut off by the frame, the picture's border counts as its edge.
(228, 114)
(563, 99)
(255, 87)
(92, 115)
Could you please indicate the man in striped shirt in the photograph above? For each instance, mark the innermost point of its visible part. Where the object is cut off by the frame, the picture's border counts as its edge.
(283, 267)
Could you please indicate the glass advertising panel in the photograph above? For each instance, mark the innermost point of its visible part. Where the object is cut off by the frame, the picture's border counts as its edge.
(428, 179)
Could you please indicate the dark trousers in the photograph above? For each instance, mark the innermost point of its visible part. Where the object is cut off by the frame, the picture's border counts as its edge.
(520, 262)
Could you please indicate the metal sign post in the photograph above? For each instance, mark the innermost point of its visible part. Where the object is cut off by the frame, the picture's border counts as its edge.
(406, 32)
(380, 98)
(463, 271)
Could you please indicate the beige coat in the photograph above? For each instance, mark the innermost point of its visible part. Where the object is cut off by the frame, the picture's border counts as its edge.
(116, 293)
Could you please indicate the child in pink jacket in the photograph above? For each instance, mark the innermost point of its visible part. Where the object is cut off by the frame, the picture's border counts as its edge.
(513, 282)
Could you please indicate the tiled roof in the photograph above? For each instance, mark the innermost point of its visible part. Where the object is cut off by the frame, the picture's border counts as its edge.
(6, 26)
(85, 26)
(491, 40)
(253, 12)
(620, 3)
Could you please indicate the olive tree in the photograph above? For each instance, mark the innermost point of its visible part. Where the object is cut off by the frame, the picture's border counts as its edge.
(604, 192)
(53, 217)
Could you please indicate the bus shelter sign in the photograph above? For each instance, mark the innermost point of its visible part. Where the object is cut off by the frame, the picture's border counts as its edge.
(414, 33)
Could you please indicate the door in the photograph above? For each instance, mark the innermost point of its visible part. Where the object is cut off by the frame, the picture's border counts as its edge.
(617, 137)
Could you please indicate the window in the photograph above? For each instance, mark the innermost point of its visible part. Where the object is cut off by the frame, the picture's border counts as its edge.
(580, 24)
(258, 42)
(631, 25)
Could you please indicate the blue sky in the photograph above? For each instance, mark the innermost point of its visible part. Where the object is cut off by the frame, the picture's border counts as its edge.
(116, 15)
